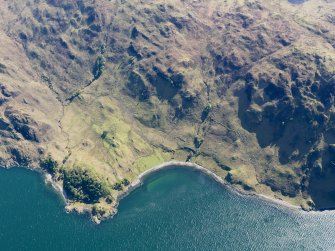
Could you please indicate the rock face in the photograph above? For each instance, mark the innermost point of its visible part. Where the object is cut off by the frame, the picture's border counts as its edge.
(287, 102)
(244, 88)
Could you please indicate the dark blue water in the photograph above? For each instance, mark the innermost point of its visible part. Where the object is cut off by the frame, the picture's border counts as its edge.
(176, 209)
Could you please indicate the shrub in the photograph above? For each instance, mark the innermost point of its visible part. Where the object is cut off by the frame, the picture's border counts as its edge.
(73, 96)
(104, 134)
(98, 210)
(117, 186)
(109, 199)
(205, 113)
(125, 182)
(102, 49)
(99, 67)
(197, 142)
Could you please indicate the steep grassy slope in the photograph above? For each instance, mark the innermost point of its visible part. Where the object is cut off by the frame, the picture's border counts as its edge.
(244, 88)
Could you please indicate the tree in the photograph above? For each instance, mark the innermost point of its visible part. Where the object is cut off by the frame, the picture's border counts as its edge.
(84, 185)
(49, 165)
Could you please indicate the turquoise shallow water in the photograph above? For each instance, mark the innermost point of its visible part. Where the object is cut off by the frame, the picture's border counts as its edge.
(176, 209)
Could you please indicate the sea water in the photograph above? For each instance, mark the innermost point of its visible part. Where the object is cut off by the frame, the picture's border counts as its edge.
(175, 209)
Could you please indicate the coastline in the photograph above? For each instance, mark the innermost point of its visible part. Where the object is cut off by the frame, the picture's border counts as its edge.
(48, 179)
(141, 178)
(179, 164)
(164, 166)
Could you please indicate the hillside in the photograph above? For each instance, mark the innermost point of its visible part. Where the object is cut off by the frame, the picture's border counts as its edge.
(98, 91)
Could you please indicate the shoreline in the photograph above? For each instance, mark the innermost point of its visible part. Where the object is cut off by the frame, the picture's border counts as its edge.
(165, 166)
(49, 179)
(188, 165)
